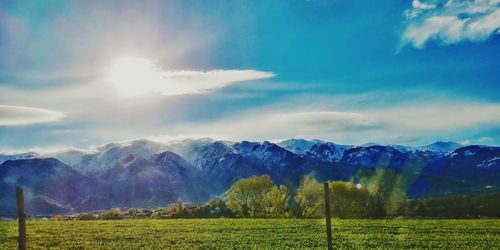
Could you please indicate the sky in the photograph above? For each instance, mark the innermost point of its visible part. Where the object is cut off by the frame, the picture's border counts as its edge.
(84, 73)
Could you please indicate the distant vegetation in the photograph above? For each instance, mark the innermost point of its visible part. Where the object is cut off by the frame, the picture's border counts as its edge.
(376, 193)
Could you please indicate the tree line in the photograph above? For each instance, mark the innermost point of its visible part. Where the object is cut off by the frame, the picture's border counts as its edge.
(378, 193)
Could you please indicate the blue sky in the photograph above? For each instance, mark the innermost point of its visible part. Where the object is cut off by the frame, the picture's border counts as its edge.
(83, 73)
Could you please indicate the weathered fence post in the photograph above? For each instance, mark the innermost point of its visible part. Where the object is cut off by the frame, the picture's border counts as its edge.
(327, 215)
(21, 218)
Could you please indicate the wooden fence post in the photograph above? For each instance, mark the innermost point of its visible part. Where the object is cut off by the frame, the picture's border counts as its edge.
(327, 215)
(21, 218)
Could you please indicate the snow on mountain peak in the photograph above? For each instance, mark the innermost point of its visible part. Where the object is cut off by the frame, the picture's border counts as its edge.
(28, 155)
(297, 146)
(441, 147)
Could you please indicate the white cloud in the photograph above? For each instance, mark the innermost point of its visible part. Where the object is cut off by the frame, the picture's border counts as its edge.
(424, 6)
(450, 22)
(383, 117)
(134, 77)
(18, 115)
(378, 123)
(437, 117)
(319, 121)
(270, 124)
(198, 81)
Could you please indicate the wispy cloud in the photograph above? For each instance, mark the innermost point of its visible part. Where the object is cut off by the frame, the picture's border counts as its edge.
(319, 121)
(451, 21)
(200, 81)
(409, 123)
(269, 124)
(18, 115)
(437, 117)
(134, 77)
(350, 119)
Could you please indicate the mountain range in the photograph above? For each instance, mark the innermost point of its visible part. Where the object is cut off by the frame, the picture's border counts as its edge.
(144, 173)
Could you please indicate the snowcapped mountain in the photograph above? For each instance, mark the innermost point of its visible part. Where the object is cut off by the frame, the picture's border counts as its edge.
(484, 158)
(273, 160)
(71, 156)
(265, 153)
(316, 149)
(441, 147)
(155, 182)
(327, 152)
(204, 154)
(375, 156)
(145, 173)
(29, 155)
(219, 160)
(186, 147)
(369, 144)
(107, 156)
(402, 148)
(298, 146)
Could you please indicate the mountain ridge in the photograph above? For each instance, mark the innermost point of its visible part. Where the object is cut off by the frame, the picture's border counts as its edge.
(144, 173)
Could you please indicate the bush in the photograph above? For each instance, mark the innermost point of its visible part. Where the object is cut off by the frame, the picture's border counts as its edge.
(111, 214)
(86, 216)
(57, 217)
(257, 196)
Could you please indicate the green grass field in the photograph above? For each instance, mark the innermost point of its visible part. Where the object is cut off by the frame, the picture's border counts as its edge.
(254, 234)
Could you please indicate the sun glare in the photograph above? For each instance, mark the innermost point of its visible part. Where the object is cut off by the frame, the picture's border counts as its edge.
(134, 76)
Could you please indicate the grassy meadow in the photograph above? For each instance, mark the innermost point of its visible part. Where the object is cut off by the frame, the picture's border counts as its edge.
(254, 234)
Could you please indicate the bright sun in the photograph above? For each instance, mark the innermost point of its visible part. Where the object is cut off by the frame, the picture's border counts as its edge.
(134, 76)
